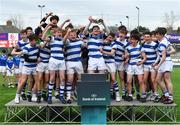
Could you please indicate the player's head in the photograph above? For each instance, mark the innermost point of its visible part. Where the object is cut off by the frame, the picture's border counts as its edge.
(147, 36)
(23, 34)
(154, 38)
(122, 27)
(134, 38)
(122, 34)
(95, 30)
(160, 32)
(73, 34)
(38, 32)
(110, 37)
(54, 19)
(58, 32)
(3, 51)
(29, 30)
(32, 39)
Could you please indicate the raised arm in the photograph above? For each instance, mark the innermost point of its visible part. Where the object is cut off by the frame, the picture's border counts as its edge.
(44, 35)
(87, 27)
(66, 21)
(16, 53)
(66, 36)
(106, 28)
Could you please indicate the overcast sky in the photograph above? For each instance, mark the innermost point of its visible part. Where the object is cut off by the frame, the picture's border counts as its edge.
(113, 11)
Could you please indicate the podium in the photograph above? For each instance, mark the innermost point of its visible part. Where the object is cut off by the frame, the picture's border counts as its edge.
(93, 92)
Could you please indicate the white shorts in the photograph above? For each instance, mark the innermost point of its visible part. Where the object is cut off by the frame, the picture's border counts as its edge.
(135, 70)
(55, 64)
(111, 67)
(3, 70)
(28, 71)
(42, 67)
(21, 64)
(74, 67)
(10, 72)
(17, 71)
(120, 66)
(149, 68)
(166, 66)
(96, 63)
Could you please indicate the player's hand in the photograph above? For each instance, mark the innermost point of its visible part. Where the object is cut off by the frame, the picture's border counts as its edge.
(50, 25)
(68, 20)
(123, 56)
(38, 60)
(101, 49)
(154, 64)
(139, 63)
(69, 30)
(156, 67)
(50, 13)
(101, 21)
(90, 19)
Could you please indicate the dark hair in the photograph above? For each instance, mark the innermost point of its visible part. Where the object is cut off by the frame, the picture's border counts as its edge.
(161, 31)
(123, 31)
(153, 32)
(135, 36)
(3, 51)
(111, 34)
(54, 17)
(122, 27)
(147, 33)
(38, 31)
(69, 26)
(134, 32)
(96, 26)
(22, 31)
(29, 28)
(32, 37)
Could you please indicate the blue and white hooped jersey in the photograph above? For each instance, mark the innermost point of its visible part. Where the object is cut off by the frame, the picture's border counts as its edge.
(73, 50)
(32, 53)
(163, 45)
(21, 44)
(3, 59)
(16, 60)
(44, 53)
(150, 50)
(121, 46)
(94, 44)
(56, 47)
(107, 47)
(9, 63)
(134, 54)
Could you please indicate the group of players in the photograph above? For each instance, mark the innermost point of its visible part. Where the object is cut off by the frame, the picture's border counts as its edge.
(54, 57)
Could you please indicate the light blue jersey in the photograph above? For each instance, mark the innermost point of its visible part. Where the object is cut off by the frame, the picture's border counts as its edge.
(107, 47)
(21, 44)
(120, 51)
(134, 54)
(73, 50)
(150, 50)
(32, 53)
(56, 46)
(163, 45)
(44, 53)
(94, 44)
